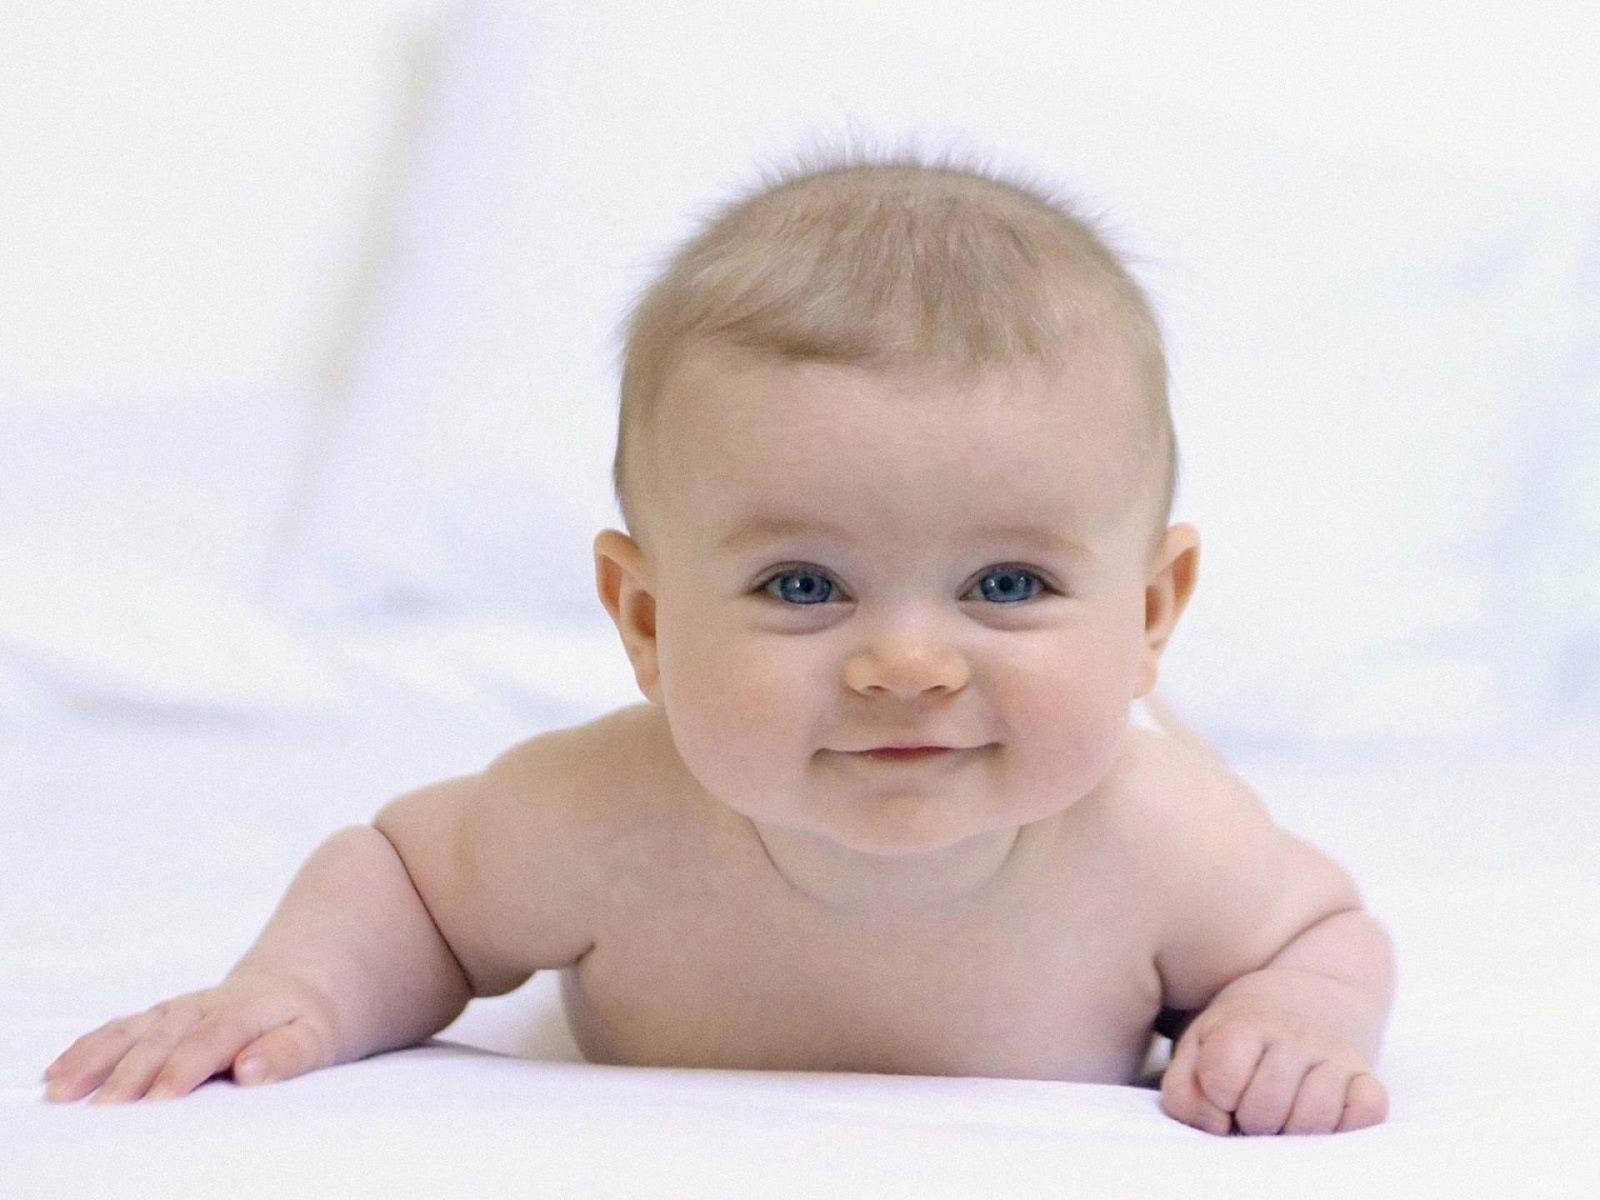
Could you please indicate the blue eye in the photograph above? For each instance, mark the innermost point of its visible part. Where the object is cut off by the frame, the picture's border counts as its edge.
(1002, 585)
(1009, 585)
(800, 587)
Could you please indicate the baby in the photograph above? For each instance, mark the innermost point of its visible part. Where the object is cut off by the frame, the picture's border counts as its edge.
(896, 466)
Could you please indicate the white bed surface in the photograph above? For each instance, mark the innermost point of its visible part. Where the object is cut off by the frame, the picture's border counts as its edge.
(150, 853)
(440, 1121)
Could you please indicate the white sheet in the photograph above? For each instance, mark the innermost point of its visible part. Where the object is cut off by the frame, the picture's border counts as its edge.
(146, 853)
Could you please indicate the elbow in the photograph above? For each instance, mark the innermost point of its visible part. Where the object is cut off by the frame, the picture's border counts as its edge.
(1350, 945)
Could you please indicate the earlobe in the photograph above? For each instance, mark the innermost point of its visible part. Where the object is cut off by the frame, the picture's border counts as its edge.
(622, 581)
(1166, 595)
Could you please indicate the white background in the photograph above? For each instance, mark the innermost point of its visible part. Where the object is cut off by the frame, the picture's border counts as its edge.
(319, 304)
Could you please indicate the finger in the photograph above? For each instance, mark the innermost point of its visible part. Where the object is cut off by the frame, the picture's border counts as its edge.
(1181, 1096)
(132, 1075)
(1227, 1061)
(208, 1049)
(1366, 1102)
(1265, 1105)
(290, 1049)
(80, 1068)
(1320, 1101)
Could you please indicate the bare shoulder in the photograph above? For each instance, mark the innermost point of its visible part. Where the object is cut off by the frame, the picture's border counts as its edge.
(1228, 886)
(510, 860)
(594, 773)
(1163, 793)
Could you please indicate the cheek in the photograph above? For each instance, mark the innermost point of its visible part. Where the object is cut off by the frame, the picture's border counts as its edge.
(1071, 710)
(737, 705)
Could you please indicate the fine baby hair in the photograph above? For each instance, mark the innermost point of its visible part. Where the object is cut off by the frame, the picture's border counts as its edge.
(891, 261)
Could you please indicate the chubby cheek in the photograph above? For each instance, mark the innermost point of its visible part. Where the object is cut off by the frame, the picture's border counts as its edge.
(738, 711)
(1069, 721)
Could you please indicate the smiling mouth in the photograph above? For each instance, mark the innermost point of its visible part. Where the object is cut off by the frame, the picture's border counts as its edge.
(908, 753)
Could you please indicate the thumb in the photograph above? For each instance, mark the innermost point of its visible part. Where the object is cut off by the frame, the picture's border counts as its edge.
(282, 1053)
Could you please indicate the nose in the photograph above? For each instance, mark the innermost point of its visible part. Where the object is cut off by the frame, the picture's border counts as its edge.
(907, 664)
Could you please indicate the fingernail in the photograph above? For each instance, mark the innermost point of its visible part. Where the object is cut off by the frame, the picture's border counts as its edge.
(252, 1070)
(161, 1092)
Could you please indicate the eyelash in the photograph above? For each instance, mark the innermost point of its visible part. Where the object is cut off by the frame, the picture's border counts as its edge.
(1045, 586)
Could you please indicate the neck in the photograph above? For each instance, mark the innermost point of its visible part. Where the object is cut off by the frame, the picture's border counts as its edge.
(851, 882)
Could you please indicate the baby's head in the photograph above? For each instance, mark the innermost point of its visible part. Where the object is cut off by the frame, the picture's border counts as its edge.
(899, 268)
(896, 464)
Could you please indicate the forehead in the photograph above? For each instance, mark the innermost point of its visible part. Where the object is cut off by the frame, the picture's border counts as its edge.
(740, 439)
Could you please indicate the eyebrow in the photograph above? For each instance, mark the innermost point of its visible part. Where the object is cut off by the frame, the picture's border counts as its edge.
(757, 531)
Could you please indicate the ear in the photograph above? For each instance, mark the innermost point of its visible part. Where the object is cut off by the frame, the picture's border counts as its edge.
(623, 581)
(1171, 582)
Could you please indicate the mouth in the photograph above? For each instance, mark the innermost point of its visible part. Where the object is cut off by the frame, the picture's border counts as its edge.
(907, 753)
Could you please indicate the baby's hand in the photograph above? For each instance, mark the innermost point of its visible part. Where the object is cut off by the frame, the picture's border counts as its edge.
(266, 1018)
(1256, 1067)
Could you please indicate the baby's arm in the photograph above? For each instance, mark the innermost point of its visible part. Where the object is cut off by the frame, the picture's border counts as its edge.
(350, 964)
(1291, 981)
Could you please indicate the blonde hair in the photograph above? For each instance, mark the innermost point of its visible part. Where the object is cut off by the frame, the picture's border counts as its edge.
(891, 262)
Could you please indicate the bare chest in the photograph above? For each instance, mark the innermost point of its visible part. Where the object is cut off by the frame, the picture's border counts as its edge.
(704, 962)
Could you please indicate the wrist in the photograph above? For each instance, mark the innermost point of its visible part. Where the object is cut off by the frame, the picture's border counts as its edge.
(1319, 1000)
